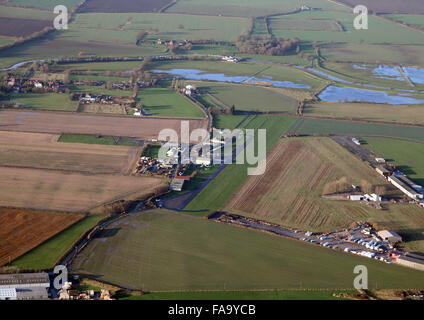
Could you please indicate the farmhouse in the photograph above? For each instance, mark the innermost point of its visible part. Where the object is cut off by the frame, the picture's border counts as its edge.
(24, 286)
(390, 236)
(205, 161)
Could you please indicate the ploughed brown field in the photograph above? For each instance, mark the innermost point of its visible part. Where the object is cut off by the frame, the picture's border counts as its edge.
(14, 27)
(56, 190)
(300, 171)
(123, 5)
(389, 6)
(77, 123)
(42, 151)
(23, 230)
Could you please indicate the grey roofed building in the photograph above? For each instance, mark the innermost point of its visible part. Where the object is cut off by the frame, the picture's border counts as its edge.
(26, 286)
(24, 280)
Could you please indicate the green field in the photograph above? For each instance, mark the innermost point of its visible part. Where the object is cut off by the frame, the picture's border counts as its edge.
(245, 97)
(180, 252)
(46, 255)
(411, 19)
(45, 4)
(379, 30)
(407, 156)
(77, 138)
(244, 295)
(221, 188)
(100, 90)
(45, 101)
(412, 114)
(248, 8)
(164, 102)
(321, 126)
(25, 13)
(222, 121)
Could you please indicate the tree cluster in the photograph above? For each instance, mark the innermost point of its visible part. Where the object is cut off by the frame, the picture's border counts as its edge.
(269, 46)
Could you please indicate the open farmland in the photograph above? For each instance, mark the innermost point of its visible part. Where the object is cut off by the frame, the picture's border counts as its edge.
(45, 101)
(407, 156)
(47, 253)
(245, 97)
(13, 27)
(380, 30)
(45, 4)
(42, 151)
(410, 19)
(247, 8)
(23, 230)
(323, 126)
(123, 6)
(178, 254)
(54, 190)
(412, 114)
(389, 6)
(78, 123)
(165, 102)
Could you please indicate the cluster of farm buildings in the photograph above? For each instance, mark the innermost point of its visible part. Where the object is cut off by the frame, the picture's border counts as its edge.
(397, 179)
(37, 286)
(22, 85)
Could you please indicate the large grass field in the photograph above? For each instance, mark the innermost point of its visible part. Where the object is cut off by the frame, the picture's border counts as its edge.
(379, 30)
(45, 101)
(245, 295)
(411, 19)
(407, 156)
(219, 190)
(161, 250)
(413, 114)
(245, 97)
(45, 4)
(321, 126)
(46, 255)
(248, 8)
(124, 27)
(165, 102)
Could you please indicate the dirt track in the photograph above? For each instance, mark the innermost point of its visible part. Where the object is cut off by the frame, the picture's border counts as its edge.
(62, 122)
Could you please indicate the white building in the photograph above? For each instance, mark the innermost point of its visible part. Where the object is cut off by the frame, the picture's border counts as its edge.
(205, 161)
(390, 236)
(406, 189)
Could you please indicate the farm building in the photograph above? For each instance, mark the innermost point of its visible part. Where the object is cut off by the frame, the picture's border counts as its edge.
(356, 141)
(400, 183)
(390, 236)
(411, 261)
(205, 161)
(383, 171)
(356, 197)
(24, 286)
(380, 160)
(177, 185)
